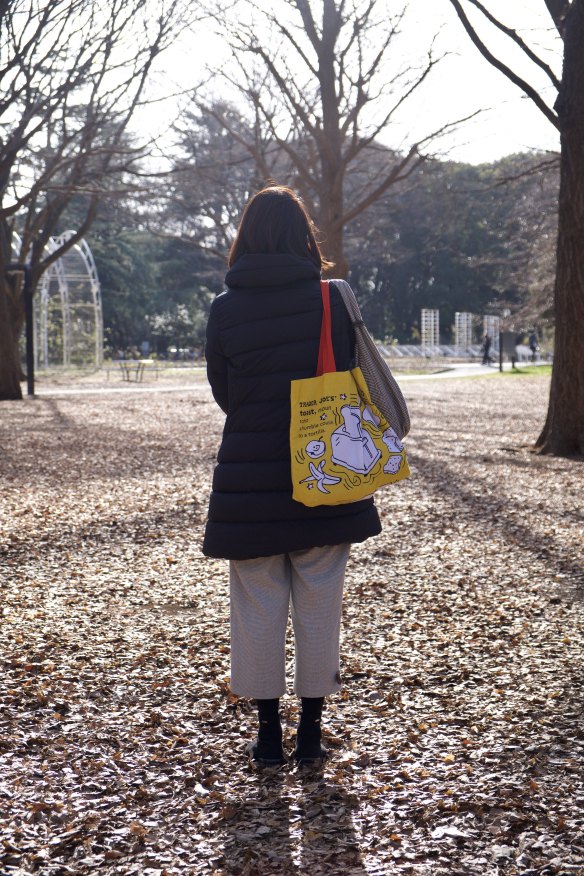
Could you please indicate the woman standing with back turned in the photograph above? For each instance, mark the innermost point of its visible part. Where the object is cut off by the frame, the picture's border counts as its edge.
(263, 332)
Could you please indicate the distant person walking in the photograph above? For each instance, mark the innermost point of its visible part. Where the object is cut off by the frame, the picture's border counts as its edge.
(487, 350)
(263, 332)
(533, 345)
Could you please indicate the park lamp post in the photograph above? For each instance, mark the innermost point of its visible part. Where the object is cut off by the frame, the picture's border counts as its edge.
(18, 268)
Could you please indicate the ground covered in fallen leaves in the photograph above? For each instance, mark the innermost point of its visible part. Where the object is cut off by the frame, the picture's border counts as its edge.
(458, 740)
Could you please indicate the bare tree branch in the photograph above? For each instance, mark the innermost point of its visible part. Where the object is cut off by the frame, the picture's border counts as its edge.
(507, 71)
(326, 105)
(403, 168)
(73, 74)
(356, 146)
(537, 169)
(513, 35)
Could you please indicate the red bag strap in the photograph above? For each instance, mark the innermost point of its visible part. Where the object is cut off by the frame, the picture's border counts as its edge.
(326, 355)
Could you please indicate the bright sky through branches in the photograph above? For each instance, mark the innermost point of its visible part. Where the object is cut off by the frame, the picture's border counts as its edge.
(462, 82)
(466, 81)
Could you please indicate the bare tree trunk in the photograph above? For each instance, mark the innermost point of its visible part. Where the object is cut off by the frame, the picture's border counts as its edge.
(330, 188)
(9, 353)
(563, 433)
(330, 215)
(333, 244)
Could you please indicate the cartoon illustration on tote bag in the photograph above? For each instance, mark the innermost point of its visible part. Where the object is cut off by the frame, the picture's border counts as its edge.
(352, 448)
(321, 478)
(342, 450)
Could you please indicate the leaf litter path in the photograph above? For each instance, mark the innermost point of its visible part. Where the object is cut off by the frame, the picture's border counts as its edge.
(457, 742)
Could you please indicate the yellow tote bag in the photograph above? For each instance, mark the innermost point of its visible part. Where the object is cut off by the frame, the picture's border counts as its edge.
(341, 447)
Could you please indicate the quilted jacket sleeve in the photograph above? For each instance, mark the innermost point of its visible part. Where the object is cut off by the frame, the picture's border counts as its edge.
(216, 361)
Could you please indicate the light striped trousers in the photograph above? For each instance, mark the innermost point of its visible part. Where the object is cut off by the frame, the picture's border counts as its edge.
(262, 591)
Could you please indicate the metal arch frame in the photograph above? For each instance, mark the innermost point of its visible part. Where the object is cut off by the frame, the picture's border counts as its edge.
(57, 273)
(81, 248)
(54, 273)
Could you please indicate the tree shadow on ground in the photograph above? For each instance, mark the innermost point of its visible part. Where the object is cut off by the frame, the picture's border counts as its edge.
(119, 529)
(64, 450)
(503, 516)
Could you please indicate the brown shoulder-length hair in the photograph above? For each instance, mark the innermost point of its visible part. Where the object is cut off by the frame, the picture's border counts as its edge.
(276, 221)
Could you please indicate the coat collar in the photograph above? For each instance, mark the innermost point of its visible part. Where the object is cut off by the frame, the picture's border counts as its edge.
(270, 269)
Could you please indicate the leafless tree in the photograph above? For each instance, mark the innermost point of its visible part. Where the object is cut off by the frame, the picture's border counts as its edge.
(72, 75)
(563, 432)
(319, 81)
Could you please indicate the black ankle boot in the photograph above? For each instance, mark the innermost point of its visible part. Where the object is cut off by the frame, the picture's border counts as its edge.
(309, 750)
(268, 750)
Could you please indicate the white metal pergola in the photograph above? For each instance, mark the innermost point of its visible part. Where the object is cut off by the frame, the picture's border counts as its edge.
(68, 317)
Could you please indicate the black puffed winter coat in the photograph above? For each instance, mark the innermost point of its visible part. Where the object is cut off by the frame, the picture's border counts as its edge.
(262, 333)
